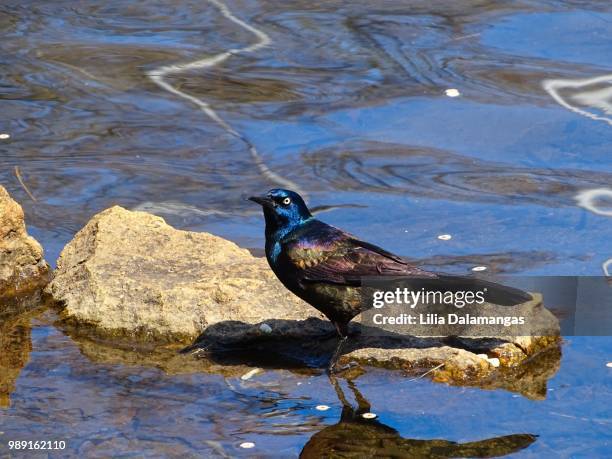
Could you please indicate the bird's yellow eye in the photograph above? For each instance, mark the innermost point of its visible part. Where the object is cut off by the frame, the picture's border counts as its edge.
(286, 201)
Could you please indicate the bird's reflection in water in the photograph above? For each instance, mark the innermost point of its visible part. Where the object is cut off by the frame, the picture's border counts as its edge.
(357, 437)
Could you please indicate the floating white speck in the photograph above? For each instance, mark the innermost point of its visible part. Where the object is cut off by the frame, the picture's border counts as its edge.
(452, 92)
(248, 375)
(368, 415)
(445, 237)
(494, 361)
(5, 136)
(265, 328)
(322, 407)
(609, 364)
(479, 268)
(247, 445)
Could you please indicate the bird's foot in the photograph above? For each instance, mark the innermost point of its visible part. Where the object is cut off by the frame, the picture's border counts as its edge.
(335, 369)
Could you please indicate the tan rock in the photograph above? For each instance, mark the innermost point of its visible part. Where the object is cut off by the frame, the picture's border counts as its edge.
(22, 266)
(527, 372)
(129, 273)
(468, 354)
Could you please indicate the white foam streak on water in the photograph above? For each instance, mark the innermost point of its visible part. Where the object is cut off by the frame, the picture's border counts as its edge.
(599, 98)
(606, 267)
(183, 210)
(553, 87)
(158, 77)
(587, 199)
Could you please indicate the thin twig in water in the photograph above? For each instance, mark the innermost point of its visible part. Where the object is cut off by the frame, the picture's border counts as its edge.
(18, 175)
(472, 35)
(579, 418)
(427, 372)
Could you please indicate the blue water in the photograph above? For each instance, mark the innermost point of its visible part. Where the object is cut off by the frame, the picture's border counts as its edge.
(348, 103)
(99, 406)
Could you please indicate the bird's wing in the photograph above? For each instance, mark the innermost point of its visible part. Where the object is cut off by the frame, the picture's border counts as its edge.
(333, 256)
(323, 253)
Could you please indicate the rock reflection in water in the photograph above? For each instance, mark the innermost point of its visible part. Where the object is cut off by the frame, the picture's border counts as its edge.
(356, 436)
(15, 348)
(308, 354)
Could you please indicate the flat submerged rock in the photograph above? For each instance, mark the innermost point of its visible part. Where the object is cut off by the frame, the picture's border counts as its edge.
(128, 276)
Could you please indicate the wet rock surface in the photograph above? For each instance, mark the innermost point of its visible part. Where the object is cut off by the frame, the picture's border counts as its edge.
(469, 363)
(128, 277)
(22, 266)
(483, 355)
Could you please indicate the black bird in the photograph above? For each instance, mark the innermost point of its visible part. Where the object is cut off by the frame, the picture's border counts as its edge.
(324, 265)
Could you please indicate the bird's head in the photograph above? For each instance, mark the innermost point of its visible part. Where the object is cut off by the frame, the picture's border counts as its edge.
(283, 209)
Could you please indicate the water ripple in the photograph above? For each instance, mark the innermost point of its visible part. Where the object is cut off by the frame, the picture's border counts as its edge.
(438, 174)
(158, 76)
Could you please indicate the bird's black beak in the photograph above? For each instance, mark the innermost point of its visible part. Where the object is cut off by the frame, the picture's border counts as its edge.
(263, 201)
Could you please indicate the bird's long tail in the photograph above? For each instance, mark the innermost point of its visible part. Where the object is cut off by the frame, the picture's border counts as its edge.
(493, 293)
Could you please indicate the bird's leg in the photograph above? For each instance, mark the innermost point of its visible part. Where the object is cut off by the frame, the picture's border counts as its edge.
(332, 362)
(343, 332)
